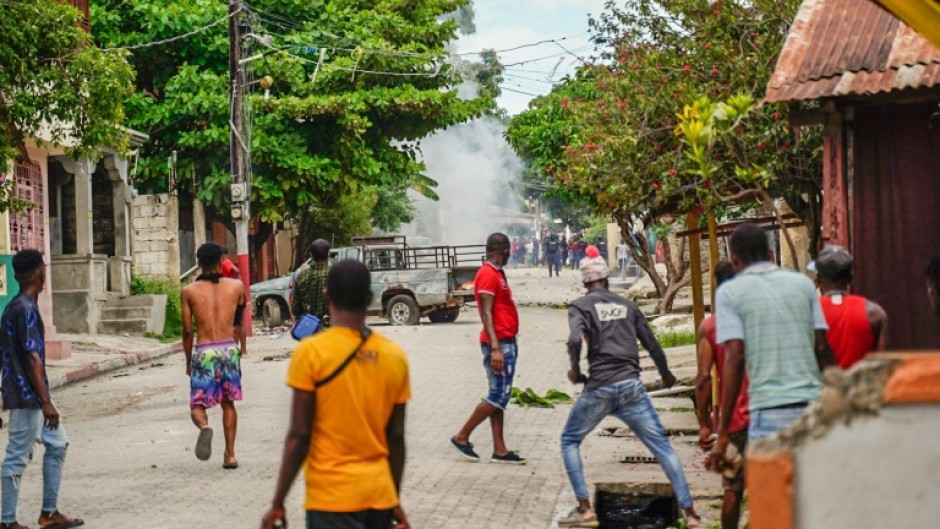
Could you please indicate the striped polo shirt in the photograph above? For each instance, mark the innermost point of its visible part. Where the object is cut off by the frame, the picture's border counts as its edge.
(776, 313)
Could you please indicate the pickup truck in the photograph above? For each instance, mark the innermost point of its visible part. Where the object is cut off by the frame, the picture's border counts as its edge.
(407, 282)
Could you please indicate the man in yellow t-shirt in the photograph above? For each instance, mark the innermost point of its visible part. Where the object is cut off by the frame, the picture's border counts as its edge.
(348, 417)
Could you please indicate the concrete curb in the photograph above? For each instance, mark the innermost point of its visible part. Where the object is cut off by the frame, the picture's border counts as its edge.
(122, 358)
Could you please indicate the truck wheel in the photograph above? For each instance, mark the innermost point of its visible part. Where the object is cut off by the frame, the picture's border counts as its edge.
(271, 313)
(444, 315)
(403, 310)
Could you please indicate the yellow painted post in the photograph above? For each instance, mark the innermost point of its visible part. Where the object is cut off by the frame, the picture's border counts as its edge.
(695, 265)
(713, 261)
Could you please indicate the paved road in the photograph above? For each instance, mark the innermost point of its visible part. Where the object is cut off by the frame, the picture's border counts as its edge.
(131, 463)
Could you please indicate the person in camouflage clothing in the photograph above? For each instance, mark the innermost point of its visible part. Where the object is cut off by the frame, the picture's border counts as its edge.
(310, 283)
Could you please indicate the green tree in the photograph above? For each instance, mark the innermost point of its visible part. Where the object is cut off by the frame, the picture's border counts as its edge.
(619, 149)
(56, 86)
(328, 131)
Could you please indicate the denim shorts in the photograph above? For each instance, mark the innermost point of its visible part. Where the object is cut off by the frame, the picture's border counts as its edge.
(500, 390)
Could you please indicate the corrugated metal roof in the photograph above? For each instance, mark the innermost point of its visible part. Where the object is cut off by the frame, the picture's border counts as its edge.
(850, 47)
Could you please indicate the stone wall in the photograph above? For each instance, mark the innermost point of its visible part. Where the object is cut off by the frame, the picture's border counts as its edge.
(155, 231)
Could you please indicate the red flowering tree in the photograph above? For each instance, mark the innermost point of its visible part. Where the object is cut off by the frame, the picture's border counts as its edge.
(621, 151)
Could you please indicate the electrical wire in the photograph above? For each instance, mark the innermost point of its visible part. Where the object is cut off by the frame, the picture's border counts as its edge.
(176, 38)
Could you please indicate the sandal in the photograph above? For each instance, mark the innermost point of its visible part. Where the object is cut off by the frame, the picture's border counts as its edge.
(204, 444)
(57, 520)
(230, 466)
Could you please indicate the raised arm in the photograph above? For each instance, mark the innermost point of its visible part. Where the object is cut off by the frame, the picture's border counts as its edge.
(187, 312)
(296, 447)
(879, 324)
(577, 326)
(651, 344)
(703, 389)
(486, 315)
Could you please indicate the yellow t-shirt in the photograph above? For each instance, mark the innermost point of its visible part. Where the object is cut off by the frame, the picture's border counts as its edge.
(347, 465)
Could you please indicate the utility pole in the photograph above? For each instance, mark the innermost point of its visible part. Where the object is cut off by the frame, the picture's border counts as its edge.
(240, 198)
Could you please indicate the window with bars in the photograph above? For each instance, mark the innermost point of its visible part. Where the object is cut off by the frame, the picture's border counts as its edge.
(26, 227)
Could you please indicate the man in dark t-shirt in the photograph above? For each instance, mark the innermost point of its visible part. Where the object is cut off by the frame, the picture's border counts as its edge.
(25, 389)
(612, 326)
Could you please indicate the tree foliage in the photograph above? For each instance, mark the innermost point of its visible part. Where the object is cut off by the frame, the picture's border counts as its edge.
(55, 86)
(609, 135)
(323, 135)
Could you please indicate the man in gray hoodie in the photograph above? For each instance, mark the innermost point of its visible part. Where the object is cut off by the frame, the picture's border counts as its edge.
(612, 326)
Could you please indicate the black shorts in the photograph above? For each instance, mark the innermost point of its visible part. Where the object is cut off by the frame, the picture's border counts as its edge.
(370, 519)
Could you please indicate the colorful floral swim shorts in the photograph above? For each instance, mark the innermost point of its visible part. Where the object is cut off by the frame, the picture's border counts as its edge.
(216, 374)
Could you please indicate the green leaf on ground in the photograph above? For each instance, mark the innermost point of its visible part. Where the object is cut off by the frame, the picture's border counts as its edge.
(530, 399)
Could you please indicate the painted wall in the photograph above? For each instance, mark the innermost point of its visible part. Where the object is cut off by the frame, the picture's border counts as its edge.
(881, 471)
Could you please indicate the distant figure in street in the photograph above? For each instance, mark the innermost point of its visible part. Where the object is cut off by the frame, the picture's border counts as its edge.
(25, 389)
(933, 284)
(530, 251)
(601, 244)
(229, 269)
(857, 326)
(217, 304)
(498, 343)
(515, 251)
(347, 425)
(623, 257)
(563, 245)
(774, 318)
(553, 250)
(711, 354)
(612, 326)
(308, 290)
(573, 252)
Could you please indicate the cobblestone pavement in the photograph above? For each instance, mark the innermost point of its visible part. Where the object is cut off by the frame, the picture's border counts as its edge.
(131, 463)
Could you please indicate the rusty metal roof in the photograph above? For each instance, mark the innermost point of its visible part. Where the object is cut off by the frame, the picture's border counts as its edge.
(850, 47)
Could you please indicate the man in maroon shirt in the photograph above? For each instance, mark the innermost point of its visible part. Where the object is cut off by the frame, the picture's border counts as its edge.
(498, 342)
(712, 354)
(857, 326)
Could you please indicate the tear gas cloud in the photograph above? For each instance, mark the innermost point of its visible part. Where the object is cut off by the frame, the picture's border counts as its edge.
(473, 165)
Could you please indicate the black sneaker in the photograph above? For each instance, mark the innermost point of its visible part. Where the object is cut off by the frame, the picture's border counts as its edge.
(511, 458)
(465, 449)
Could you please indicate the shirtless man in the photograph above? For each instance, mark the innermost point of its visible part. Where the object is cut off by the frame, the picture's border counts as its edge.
(217, 303)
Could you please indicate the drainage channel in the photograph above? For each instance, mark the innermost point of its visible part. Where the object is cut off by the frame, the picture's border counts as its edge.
(636, 506)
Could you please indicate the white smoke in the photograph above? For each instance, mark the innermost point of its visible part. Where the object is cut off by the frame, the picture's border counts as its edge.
(473, 166)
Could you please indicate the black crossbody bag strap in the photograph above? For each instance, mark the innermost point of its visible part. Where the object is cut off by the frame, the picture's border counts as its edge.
(365, 336)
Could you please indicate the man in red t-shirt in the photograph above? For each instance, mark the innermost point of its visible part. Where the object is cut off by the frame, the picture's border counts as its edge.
(229, 269)
(498, 342)
(857, 326)
(712, 354)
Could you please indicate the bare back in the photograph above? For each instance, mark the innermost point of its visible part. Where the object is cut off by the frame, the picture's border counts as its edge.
(213, 306)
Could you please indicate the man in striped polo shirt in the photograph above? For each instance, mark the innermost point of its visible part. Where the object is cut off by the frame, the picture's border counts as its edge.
(770, 320)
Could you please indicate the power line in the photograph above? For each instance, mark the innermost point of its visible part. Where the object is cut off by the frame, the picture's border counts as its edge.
(174, 39)
(519, 92)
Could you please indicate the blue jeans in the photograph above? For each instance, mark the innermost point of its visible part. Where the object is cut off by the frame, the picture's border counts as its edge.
(628, 402)
(767, 422)
(500, 384)
(27, 427)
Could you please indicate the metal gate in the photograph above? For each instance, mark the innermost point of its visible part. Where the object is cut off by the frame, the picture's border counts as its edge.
(26, 227)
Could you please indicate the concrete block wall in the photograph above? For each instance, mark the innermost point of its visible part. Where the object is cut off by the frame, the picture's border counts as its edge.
(155, 234)
(864, 455)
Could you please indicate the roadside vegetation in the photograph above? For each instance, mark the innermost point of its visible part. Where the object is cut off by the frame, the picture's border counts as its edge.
(173, 328)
